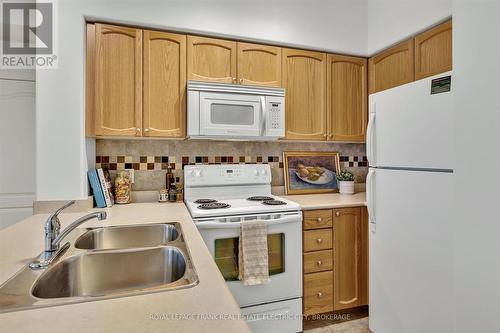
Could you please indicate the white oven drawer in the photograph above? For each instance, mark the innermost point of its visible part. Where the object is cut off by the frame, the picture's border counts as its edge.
(278, 317)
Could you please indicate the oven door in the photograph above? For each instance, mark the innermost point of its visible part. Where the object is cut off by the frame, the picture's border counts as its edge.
(231, 114)
(285, 258)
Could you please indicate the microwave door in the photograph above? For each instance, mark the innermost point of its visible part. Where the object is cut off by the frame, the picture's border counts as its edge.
(230, 114)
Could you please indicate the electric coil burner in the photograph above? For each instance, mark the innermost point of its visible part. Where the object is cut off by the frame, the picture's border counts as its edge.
(273, 202)
(214, 205)
(205, 201)
(260, 198)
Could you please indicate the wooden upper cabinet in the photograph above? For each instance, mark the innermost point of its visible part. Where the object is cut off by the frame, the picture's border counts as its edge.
(392, 67)
(259, 64)
(350, 258)
(164, 84)
(433, 51)
(347, 98)
(211, 59)
(118, 108)
(304, 78)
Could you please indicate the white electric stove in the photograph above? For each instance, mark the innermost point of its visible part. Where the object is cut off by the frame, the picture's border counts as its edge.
(220, 198)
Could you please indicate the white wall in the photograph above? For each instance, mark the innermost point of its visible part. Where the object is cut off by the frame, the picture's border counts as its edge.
(391, 21)
(338, 26)
(17, 146)
(476, 51)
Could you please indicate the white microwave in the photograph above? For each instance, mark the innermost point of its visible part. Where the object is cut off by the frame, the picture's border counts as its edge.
(229, 111)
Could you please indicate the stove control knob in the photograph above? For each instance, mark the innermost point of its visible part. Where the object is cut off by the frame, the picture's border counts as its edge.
(196, 173)
(256, 172)
(263, 172)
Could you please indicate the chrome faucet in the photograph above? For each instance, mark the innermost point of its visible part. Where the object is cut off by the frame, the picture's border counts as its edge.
(53, 236)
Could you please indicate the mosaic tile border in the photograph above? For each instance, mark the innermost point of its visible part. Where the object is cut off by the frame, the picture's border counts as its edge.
(154, 163)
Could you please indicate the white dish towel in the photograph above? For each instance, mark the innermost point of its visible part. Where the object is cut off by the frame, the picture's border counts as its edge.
(253, 261)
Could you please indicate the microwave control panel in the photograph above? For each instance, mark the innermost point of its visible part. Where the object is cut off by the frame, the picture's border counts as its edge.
(275, 122)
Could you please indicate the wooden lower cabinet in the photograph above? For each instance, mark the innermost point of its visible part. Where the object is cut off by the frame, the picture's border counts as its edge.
(350, 250)
(318, 293)
(315, 240)
(336, 267)
(318, 261)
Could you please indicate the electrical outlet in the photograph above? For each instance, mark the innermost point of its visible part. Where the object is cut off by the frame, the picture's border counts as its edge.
(131, 173)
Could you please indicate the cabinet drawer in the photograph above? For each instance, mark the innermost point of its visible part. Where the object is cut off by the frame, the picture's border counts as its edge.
(316, 219)
(315, 240)
(318, 293)
(318, 261)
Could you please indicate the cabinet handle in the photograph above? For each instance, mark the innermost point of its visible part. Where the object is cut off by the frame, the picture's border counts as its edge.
(241, 81)
(337, 214)
(319, 263)
(319, 241)
(234, 80)
(320, 294)
(325, 135)
(319, 220)
(331, 136)
(137, 129)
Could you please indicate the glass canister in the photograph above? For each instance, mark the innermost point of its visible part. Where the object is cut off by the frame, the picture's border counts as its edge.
(123, 188)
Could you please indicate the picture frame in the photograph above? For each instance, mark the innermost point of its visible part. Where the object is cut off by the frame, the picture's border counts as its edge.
(310, 172)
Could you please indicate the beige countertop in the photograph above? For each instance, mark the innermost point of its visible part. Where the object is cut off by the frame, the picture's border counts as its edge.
(328, 200)
(211, 298)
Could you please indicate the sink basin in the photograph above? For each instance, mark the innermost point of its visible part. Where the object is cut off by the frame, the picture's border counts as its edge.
(127, 237)
(107, 273)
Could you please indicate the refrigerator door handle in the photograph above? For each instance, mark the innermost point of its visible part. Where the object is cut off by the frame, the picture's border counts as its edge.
(369, 136)
(370, 197)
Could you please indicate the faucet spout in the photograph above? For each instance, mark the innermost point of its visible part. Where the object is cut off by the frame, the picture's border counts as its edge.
(98, 215)
(53, 238)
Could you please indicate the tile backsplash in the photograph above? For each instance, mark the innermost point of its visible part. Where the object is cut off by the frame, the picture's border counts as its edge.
(151, 158)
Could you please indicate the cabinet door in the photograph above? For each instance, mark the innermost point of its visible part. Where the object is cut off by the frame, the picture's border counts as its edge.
(349, 258)
(304, 78)
(118, 81)
(259, 65)
(347, 98)
(164, 84)
(433, 51)
(392, 67)
(210, 59)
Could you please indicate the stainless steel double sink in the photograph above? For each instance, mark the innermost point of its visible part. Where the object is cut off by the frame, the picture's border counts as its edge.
(106, 262)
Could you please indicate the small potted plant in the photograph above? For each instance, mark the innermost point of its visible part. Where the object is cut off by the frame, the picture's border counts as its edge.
(346, 182)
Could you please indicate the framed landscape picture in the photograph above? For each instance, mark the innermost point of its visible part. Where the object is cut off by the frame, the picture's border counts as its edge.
(310, 172)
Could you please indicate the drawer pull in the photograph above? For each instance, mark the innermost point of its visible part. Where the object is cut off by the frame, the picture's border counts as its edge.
(319, 263)
(319, 240)
(319, 220)
(337, 214)
(320, 294)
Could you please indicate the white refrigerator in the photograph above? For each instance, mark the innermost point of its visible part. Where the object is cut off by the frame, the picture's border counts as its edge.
(409, 198)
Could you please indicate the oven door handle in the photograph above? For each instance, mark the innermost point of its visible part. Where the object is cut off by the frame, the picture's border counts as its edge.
(232, 225)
